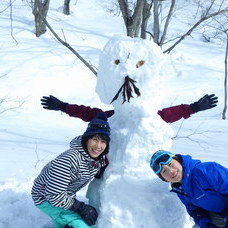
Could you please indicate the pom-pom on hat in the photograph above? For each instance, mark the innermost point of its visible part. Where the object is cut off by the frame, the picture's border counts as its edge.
(98, 125)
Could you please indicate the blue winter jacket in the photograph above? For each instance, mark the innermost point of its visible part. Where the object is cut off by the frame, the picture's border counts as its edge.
(204, 188)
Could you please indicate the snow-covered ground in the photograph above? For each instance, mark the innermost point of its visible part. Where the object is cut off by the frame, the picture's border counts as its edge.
(32, 67)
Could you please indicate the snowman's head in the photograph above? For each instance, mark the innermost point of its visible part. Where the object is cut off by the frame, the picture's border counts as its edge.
(128, 68)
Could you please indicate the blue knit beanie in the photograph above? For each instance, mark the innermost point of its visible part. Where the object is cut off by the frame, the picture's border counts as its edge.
(98, 125)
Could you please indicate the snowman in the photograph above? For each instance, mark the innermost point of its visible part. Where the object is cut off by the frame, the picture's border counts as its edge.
(129, 78)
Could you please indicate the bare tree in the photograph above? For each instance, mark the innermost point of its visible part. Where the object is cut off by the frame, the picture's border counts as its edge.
(66, 7)
(132, 15)
(225, 79)
(146, 13)
(218, 28)
(9, 105)
(160, 38)
(137, 14)
(40, 10)
(205, 16)
(10, 6)
(68, 46)
(195, 135)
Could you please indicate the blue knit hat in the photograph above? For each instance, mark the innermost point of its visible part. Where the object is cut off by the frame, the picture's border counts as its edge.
(98, 125)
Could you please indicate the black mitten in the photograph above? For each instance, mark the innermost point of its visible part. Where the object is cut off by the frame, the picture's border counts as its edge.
(88, 213)
(52, 103)
(204, 103)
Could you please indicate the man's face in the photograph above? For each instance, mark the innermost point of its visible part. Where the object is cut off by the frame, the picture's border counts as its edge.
(96, 146)
(172, 172)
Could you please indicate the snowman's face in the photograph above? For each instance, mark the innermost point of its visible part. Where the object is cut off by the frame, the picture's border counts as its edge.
(128, 68)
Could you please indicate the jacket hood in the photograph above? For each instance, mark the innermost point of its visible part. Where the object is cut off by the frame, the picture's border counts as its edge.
(75, 142)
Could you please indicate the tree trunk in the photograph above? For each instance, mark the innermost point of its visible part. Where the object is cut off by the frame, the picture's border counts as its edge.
(156, 29)
(168, 19)
(225, 80)
(40, 8)
(66, 7)
(145, 17)
(132, 21)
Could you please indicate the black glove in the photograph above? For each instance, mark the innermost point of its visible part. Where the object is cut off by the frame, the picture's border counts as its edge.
(206, 102)
(52, 103)
(88, 213)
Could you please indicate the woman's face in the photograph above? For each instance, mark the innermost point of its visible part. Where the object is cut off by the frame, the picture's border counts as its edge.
(172, 172)
(96, 146)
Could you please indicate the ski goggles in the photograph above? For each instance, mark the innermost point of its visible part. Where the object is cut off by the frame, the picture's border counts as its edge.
(160, 158)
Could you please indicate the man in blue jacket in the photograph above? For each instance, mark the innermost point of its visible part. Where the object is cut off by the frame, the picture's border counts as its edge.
(201, 186)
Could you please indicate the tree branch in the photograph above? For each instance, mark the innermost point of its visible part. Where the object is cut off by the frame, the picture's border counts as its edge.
(11, 22)
(124, 10)
(68, 46)
(11, 108)
(167, 22)
(195, 26)
(195, 132)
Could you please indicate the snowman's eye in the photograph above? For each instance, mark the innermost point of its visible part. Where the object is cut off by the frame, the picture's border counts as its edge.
(117, 61)
(140, 63)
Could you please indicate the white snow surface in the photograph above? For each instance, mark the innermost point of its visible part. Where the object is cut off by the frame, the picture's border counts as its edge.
(131, 195)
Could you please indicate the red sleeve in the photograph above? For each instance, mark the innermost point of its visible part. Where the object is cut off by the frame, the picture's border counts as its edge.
(175, 113)
(85, 113)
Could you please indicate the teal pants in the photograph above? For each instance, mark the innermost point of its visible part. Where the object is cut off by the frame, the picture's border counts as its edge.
(62, 217)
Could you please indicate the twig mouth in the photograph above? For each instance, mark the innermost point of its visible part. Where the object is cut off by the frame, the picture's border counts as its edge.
(127, 90)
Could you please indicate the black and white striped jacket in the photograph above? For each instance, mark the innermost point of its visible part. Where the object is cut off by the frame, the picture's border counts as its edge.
(61, 178)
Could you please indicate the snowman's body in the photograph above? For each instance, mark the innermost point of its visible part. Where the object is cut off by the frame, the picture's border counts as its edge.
(137, 131)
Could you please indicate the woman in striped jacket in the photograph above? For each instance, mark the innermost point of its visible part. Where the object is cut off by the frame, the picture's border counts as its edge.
(54, 190)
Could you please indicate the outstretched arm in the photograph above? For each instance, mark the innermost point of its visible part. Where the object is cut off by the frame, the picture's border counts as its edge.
(175, 113)
(169, 115)
(85, 113)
